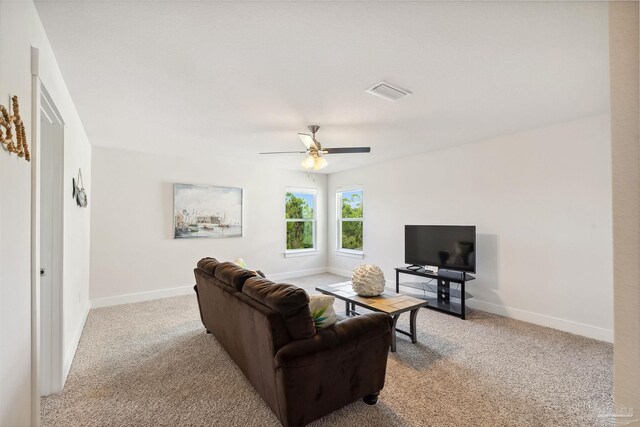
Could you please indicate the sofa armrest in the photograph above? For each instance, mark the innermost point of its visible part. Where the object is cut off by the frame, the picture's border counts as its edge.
(337, 366)
(347, 335)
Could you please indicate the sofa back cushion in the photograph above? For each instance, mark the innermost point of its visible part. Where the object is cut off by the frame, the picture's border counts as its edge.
(232, 275)
(288, 300)
(208, 265)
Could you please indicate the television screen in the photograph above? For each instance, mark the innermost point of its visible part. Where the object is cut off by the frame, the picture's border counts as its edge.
(451, 247)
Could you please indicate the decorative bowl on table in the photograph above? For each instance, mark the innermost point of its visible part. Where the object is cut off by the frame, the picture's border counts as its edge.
(368, 280)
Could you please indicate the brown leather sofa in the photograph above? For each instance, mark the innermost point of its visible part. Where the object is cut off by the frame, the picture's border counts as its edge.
(267, 329)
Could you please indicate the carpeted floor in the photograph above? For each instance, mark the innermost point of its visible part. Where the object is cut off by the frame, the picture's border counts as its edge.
(152, 364)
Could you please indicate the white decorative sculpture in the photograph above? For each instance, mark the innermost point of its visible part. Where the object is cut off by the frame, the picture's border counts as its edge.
(367, 280)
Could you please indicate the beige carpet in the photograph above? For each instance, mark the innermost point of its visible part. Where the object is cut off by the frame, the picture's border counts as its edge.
(152, 364)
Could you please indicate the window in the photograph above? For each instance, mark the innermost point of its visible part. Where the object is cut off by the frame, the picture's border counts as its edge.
(350, 221)
(300, 215)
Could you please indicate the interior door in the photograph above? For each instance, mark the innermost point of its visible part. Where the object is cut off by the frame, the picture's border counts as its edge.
(51, 143)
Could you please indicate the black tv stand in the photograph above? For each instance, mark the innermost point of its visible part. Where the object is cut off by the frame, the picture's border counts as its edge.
(440, 296)
(414, 267)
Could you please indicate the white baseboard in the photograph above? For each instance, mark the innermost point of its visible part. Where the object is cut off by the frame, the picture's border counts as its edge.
(544, 320)
(514, 313)
(141, 296)
(296, 273)
(527, 316)
(73, 346)
(340, 272)
(186, 290)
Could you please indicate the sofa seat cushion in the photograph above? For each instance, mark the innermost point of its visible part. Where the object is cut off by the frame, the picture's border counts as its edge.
(288, 300)
(208, 265)
(232, 275)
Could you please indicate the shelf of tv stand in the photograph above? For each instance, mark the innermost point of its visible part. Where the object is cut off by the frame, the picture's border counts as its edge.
(446, 299)
(451, 276)
(433, 288)
(453, 308)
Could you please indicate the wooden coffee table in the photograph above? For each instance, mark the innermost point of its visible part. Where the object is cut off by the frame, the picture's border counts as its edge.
(388, 302)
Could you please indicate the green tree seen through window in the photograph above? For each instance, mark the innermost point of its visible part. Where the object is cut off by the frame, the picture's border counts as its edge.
(351, 220)
(299, 213)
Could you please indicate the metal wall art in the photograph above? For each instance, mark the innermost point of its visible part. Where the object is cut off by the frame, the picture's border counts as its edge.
(79, 192)
(12, 134)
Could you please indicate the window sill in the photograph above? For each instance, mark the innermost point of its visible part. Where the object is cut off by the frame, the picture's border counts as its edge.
(350, 254)
(302, 252)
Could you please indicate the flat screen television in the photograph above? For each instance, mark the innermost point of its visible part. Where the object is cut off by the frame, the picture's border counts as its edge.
(449, 247)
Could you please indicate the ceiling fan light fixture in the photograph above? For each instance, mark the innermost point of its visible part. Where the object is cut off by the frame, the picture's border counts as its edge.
(309, 162)
(319, 163)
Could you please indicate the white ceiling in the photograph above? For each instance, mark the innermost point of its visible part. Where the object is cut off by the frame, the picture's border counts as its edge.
(231, 79)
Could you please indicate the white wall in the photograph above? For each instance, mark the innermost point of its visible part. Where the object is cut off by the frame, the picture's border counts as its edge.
(132, 247)
(20, 28)
(76, 236)
(541, 202)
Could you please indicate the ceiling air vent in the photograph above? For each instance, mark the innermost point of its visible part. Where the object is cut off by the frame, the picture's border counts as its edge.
(388, 91)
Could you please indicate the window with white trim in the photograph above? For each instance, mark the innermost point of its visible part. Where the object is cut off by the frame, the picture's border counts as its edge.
(349, 205)
(300, 216)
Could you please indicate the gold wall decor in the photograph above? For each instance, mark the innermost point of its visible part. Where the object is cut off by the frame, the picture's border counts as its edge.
(11, 126)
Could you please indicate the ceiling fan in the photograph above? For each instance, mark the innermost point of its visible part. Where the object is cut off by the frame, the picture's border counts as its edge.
(315, 151)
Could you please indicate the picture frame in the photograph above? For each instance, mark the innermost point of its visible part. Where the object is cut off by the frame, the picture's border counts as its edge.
(207, 211)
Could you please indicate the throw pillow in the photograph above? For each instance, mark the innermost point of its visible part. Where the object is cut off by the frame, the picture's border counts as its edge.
(240, 263)
(322, 311)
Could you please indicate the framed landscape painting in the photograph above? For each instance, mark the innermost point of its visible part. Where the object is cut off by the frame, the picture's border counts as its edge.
(206, 211)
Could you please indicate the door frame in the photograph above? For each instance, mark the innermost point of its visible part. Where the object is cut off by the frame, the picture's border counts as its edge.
(43, 102)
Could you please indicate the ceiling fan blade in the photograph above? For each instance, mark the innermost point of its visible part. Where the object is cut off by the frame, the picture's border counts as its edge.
(307, 140)
(346, 150)
(284, 152)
